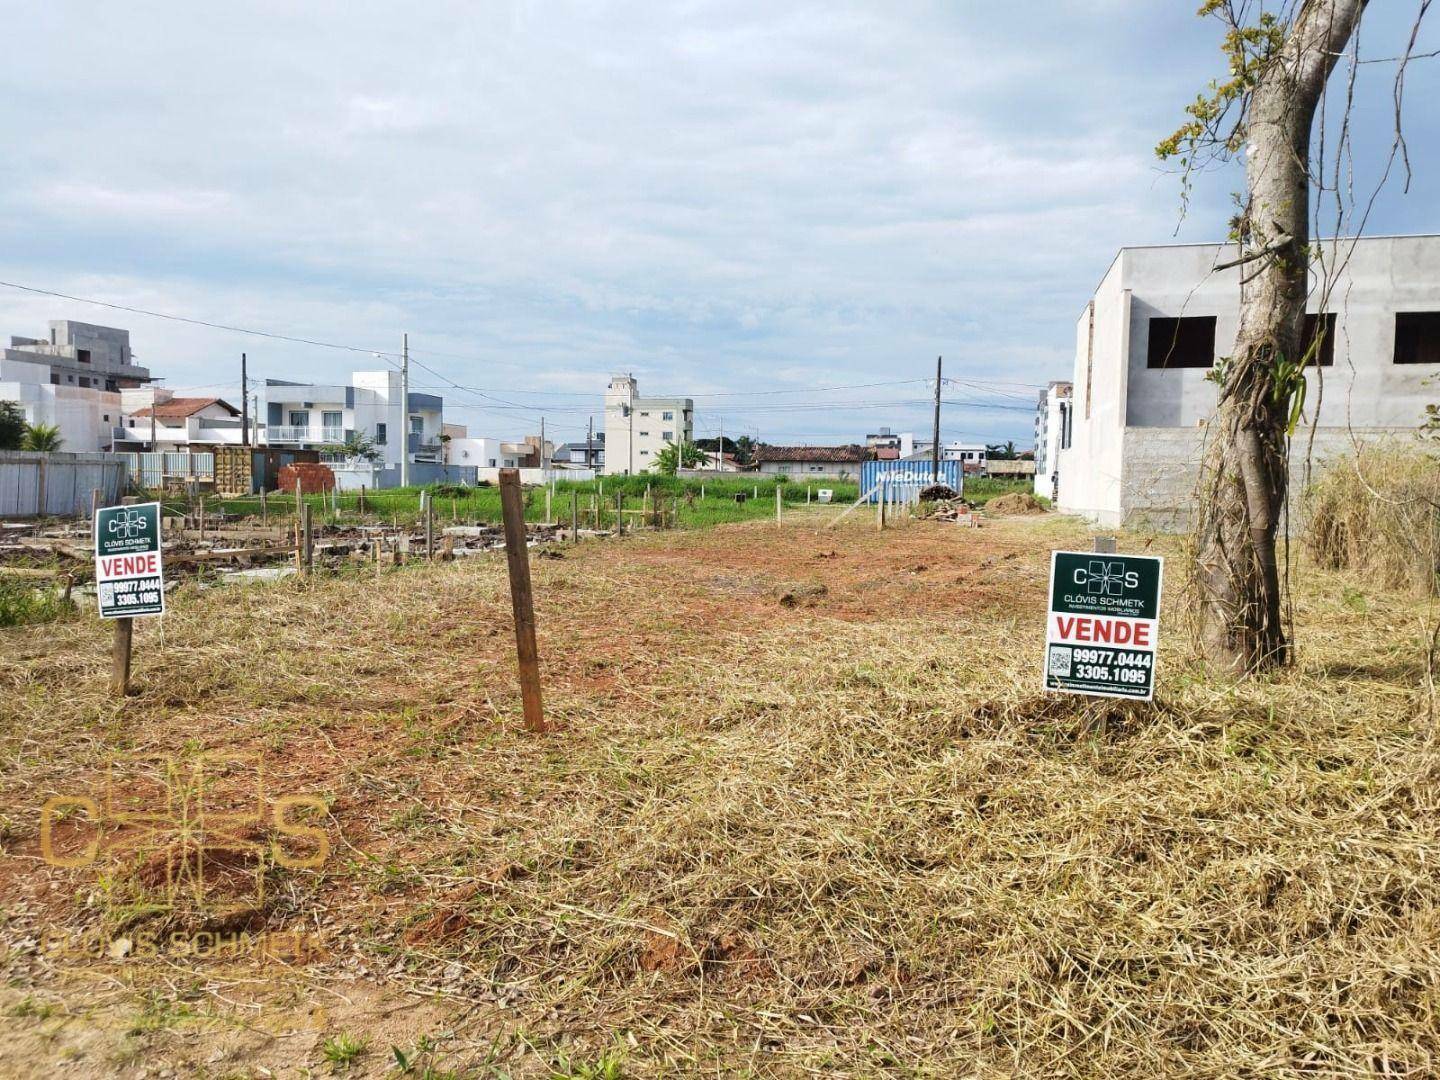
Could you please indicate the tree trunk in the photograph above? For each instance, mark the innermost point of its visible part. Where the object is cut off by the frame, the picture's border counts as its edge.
(1246, 465)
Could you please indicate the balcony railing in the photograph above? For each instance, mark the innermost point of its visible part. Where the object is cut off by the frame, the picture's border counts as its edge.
(285, 434)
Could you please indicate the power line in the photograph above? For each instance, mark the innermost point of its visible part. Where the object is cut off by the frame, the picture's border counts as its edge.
(199, 322)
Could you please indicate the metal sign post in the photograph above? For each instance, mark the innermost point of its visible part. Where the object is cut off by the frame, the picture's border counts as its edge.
(1103, 627)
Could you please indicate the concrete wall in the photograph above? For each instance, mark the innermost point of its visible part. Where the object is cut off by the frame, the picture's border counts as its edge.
(1365, 388)
(1090, 469)
(1162, 472)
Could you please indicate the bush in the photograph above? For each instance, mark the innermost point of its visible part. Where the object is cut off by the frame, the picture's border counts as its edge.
(1378, 513)
(22, 604)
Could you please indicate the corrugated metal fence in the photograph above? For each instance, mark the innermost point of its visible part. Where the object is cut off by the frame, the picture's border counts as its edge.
(150, 471)
(59, 484)
(903, 479)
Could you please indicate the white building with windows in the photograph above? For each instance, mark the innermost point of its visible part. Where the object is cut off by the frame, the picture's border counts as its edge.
(1147, 342)
(1052, 430)
(318, 416)
(72, 379)
(638, 428)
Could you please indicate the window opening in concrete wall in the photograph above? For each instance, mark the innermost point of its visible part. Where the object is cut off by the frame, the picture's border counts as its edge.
(1187, 342)
(1417, 337)
(1313, 324)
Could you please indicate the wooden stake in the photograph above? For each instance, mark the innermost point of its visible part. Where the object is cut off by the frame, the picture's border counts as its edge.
(124, 640)
(575, 516)
(777, 504)
(264, 509)
(619, 513)
(429, 528)
(517, 556)
(120, 657)
(202, 517)
(308, 541)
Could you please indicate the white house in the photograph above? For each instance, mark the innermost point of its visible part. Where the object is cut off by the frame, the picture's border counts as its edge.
(1052, 420)
(323, 415)
(812, 462)
(637, 429)
(971, 455)
(1147, 342)
(155, 419)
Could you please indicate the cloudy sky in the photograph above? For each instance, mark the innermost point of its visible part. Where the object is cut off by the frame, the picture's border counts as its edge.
(748, 203)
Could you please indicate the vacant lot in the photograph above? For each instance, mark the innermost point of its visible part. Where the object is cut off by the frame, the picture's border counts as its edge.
(805, 813)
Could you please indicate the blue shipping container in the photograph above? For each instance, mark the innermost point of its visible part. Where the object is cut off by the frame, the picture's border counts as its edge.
(913, 475)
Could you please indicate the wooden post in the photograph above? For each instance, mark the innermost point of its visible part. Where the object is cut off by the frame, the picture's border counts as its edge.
(807, 494)
(575, 516)
(202, 517)
(94, 506)
(880, 509)
(361, 504)
(264, 509)
(454, 512)
(517, 556)
(1105, 545)
(120, 648)
(757, 491)
(777, 504)
(619, 513)
(429, 528)
(549, 492)
(120, 657)
(308, 538)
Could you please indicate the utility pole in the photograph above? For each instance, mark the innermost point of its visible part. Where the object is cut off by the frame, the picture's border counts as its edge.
(255, 411)
(589, 444)
(630, 466)
(935, 450)
(405, 412)
(244, 404)
(720, 450)
(543, 474)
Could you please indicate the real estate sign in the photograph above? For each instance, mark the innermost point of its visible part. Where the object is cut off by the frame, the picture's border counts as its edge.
(129, 580)
(1103, 625)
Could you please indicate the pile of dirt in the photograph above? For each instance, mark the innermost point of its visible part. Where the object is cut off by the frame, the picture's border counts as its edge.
(1017, 502)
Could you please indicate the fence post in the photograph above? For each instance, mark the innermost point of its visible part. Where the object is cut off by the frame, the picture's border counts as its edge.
(522, 601)
(619, 513)
(309, 538)
(880, 507)
(777, 504)
(202, 517)
(575, 516)
(429, 528)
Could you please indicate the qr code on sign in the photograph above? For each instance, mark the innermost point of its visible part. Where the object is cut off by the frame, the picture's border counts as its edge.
(1060, 658)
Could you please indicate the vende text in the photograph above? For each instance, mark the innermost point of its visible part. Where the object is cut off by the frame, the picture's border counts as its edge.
(121, 566)
(1137, 633)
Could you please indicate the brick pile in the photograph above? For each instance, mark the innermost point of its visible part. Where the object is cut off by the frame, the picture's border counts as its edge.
(311, 475)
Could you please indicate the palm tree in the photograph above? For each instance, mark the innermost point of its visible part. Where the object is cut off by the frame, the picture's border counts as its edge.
(676, 456)
(42, 437)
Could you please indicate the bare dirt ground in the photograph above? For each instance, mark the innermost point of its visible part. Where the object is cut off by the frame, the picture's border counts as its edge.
(805, 813)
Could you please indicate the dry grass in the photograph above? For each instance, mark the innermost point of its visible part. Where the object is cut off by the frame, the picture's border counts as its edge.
(1379, 513)
(843, 838)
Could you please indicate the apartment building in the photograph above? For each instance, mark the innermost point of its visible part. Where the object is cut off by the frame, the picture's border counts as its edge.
(1147, 343)
(1052, 433)
(638, 428)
